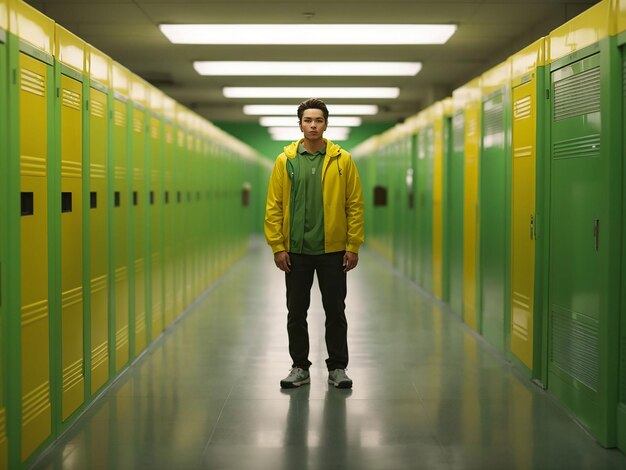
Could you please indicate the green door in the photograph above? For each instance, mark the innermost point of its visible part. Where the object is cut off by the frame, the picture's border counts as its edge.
(579, 261)
(455, 213)
(492, 214)
(425, 207)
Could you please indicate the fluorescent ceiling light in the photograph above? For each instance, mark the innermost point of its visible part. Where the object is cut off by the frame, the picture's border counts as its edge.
(271, 121)
(308, 34)
(308, 69)
(306, 92)
(291, 110)
(293, 133)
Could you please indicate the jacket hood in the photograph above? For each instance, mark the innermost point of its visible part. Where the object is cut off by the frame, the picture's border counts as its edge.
(332, 149)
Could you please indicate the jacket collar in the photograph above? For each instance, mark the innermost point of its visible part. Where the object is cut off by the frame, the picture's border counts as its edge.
(332, 150)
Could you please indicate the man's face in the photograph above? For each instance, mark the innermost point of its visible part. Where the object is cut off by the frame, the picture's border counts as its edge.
(313, 124)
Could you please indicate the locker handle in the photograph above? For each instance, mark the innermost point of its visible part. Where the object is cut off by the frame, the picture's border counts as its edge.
(596, 231)
(532, 227)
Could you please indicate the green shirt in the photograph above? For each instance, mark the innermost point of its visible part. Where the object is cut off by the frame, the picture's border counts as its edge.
(307, 204)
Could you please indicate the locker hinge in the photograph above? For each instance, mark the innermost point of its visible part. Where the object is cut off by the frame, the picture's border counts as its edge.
(58, 92)
(547, 94)
(14, 76)
(86, 105)
(596, 232)
(532, 226)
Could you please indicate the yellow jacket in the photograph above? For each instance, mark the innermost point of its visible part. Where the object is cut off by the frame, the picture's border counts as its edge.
(341, 192)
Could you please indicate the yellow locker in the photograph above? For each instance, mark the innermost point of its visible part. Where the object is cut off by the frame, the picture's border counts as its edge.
(523, 190)
(470, 202)
(36, 406)
(121, 201)
(100, 76)
(138, 217)
(73, 379)
(99, 274)
(156, 244)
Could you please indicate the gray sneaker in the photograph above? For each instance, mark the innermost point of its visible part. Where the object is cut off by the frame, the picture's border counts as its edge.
(339, 378)
(296, 377)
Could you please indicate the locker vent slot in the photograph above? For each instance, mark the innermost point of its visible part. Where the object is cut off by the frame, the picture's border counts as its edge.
(575, 349)
(179, 197)
(28, 203)
(32, 82)
(66, 202)
(119, 118)
(188, 196)
(494, 125)
(135, 198)
(97, 109)
(197, 195)
(71, 99)
(458, 132)
(93, 200)
(167, 197)
(117, 199)
(579, 147)
(151, 198)
(577, 95)
(521, 108)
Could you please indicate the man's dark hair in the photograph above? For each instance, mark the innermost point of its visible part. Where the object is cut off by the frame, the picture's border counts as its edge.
(312, 103)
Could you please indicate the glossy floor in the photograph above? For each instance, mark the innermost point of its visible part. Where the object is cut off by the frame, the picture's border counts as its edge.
(428, 393)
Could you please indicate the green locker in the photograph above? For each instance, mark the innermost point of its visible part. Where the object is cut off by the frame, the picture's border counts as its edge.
(585, 203)
(121, 216)
(455, 212)
(180, 299)
(169, 259)
(98, 218)
(70, 75)
(188, 165)
(4, 247)
(425, 153)
(621, 407)
(156, 218)
(139, 215)
(494, 194)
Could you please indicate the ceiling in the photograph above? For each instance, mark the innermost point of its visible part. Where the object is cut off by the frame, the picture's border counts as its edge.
(488, 32)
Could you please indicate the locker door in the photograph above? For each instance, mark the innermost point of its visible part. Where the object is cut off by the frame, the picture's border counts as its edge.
(36, 406)
(121, 205)
(3, 247)
(492, 217)
(156, 227)
(523, 221)
(99, 244)
(437, 237)
(425, 208)
(139, 235)
(578, 257)
(180, 300)
(169, 287)
(470, 213)
(72, 357)
(455, 220)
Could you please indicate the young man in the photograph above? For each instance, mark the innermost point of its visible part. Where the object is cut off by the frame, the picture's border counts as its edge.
(314, 223)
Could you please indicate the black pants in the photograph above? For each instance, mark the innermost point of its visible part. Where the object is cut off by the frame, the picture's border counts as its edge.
(332, 282)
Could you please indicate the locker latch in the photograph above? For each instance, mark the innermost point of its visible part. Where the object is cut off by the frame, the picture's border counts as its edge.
(596, 231)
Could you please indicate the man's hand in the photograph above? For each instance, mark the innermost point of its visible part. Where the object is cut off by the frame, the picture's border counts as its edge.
(350, 260)
(282, 261)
